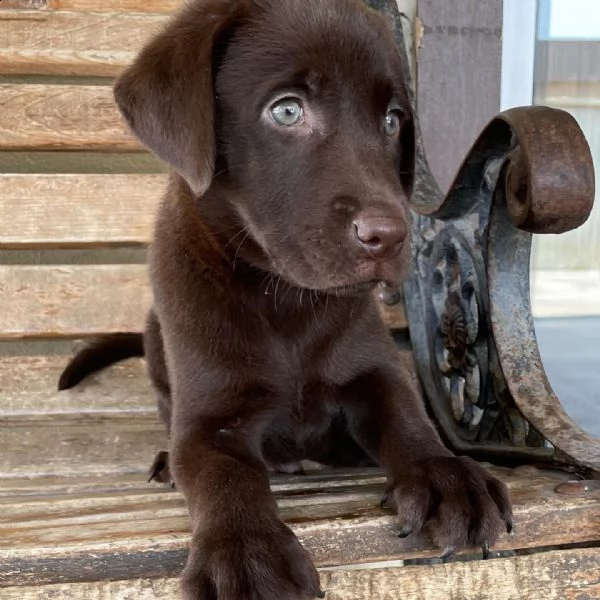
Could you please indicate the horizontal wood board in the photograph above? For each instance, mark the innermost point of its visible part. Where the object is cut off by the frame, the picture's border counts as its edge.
(72, 300)
(96, 44)
(62, 117)
(96, 532)
(28, 385)
(558, 575)
(77, 211)
(79, 301)
(138, 6)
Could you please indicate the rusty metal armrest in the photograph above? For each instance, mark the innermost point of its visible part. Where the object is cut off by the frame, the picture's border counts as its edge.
(467, 298)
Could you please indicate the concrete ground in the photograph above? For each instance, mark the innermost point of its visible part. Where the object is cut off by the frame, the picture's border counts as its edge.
(566, 308)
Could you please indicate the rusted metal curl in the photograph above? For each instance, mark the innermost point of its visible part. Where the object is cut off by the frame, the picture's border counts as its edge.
(549, 179)
(548, 169)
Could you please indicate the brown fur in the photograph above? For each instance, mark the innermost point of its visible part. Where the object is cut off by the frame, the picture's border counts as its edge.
(264, 343)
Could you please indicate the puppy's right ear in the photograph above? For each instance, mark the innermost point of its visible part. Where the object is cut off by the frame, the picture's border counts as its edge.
(167, 95)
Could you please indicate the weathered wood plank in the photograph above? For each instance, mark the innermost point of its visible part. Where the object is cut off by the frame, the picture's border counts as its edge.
(66, 444)
(24, 4)
(94, 6)
(61, 117)
(28, 385)
(117, 5)
(77, 211)
(36, 162)
(558, 575)
(73, 43)
(89, 38)
(75, 301)
(82, 485)
(69, 512)
(23, 489)
(89, 536)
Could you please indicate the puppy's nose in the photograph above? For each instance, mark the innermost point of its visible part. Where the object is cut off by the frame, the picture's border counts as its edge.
(380, 237)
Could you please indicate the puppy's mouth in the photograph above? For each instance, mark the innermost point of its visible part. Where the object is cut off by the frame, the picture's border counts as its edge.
(353, 289)
(364, 278)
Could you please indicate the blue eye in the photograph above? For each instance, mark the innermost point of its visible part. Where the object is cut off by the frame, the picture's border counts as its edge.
(287, 112)
(392, 122)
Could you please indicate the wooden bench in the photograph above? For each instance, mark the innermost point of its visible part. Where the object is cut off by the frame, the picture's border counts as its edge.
(77, 518)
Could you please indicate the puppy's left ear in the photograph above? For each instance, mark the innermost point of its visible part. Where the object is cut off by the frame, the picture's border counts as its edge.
(167, 95)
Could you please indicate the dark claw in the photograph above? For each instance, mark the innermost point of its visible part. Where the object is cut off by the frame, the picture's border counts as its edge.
(321, 594)
(384, 500)
(509, 526)
(448, 552)
(486, 551)
(405, 532)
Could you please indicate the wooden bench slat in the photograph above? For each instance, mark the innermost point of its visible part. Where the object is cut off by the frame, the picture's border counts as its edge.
(15, 490)
(61, 117)
(107, 424)
(28, 385)
(557, 575)
(104, 444)
(94, 535)
(73, 510)
(77, 211)
(72, 301)
(153, 6)
(73, 43)
(77, 301)
(18, 490)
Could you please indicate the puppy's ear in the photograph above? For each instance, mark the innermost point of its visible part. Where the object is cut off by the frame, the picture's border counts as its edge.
(167, 95)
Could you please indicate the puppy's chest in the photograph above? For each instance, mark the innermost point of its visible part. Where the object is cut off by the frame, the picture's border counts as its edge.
(307, 405)
(296, 363)
(309, 376)
(308, 397)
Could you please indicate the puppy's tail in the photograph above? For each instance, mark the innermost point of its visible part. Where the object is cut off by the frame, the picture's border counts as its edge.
(99, 354)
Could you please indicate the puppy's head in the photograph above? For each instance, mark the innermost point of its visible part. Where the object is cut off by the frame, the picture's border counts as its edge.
(303, 105)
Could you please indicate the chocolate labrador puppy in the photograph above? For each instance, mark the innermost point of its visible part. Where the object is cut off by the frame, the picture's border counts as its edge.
(290, 133)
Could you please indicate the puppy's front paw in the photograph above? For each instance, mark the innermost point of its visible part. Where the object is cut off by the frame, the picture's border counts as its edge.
(265, 562)
(460, 503)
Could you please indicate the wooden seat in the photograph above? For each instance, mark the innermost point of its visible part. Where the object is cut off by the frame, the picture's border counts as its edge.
(77, 517)
(82, 534)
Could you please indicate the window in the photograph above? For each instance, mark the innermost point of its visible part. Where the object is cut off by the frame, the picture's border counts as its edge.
(551, 56)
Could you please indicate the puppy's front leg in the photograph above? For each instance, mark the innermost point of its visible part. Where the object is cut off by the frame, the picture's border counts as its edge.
(461, 503)
(240, 547)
